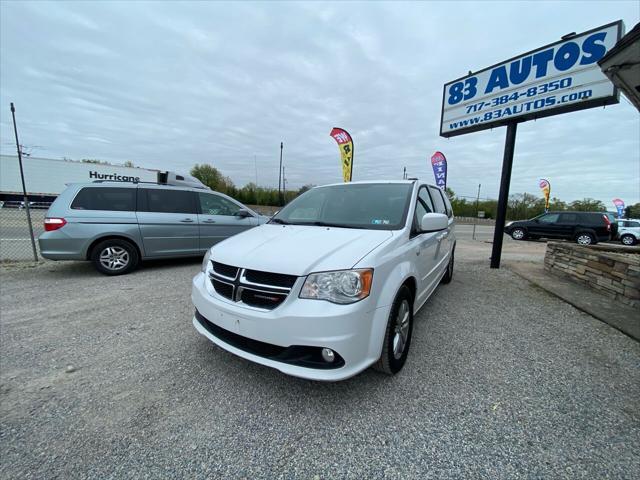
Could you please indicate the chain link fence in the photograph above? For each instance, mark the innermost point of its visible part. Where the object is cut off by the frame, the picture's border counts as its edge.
(15, 241)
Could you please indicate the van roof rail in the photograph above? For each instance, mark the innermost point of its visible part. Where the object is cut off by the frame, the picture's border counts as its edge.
(135, 182)
(123, 181)
(138, 182)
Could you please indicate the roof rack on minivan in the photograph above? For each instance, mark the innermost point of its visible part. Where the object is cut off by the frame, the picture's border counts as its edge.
(170, 179)
(132, 181)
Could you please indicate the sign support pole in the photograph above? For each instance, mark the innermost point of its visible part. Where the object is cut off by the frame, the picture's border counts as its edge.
(24, 188)
(476, 220)
(503, 197)
(280, 177)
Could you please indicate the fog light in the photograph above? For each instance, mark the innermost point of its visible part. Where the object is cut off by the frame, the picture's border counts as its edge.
(328, 355)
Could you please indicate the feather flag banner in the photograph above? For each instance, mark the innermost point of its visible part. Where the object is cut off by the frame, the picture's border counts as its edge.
(545, 186)
(345, 143)
(619, 206)
(439, 165)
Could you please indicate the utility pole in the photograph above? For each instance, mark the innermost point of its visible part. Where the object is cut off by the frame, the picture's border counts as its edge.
(255, 164)
(284, 185)
(24, 188)
(476, 220)
(280, 176)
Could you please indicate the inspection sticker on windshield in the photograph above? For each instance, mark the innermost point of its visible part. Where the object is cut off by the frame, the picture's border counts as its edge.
(375, 221)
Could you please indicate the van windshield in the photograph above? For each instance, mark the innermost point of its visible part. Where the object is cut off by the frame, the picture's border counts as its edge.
(375, 206)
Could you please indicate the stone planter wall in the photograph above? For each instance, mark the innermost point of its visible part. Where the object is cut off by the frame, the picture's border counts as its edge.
(611, 270)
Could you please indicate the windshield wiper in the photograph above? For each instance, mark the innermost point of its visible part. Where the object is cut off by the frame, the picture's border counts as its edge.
(279, 221)
(325, 224)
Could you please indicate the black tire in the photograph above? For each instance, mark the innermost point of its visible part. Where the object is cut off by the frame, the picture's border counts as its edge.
(519, 234)
(627, 239)
(123, 255)
(448, 276)
(390, 362)
(585, 238)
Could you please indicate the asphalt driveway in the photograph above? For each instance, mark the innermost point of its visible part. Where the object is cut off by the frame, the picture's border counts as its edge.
(106, 378)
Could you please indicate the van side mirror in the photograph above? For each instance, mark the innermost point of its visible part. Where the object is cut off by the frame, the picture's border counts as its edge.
(434, 222)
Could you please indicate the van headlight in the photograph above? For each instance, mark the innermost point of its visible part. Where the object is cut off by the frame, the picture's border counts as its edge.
(205, 261)
(342, 286)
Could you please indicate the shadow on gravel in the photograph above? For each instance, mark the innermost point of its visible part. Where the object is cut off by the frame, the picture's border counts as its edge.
(65, 269)
(169, 263)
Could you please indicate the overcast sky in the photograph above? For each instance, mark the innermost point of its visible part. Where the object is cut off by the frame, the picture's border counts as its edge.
(167, 85)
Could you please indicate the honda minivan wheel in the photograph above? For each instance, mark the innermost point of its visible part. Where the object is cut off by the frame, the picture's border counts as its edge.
(398, 334)
(585, 238)
(628, 239)
(518, 234)
(115, 257)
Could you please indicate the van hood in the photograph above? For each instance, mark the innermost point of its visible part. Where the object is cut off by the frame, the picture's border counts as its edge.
(298, 249)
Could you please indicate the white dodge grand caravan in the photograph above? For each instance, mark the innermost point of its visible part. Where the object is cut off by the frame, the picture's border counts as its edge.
(329, 286)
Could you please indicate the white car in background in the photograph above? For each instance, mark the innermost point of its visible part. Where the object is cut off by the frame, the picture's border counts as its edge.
(329, 286)
(629, 231)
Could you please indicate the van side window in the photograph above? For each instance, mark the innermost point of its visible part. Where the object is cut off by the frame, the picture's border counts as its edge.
(438, 201)
(423, 206)
(212, 204)
(170, 201)
(447, 204)
(104, 198)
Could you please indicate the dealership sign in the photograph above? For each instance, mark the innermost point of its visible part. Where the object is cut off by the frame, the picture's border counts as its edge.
(558, 78)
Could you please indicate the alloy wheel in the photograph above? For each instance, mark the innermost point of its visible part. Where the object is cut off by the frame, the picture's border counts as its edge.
(114, 258)
(584, 239)
(401, 329)
(627, 240)
(518, 234)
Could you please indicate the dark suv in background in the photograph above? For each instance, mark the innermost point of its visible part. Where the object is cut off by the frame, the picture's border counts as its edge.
(585, 228)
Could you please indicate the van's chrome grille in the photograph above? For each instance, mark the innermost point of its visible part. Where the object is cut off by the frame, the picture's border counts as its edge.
(223, 288)
(251, 287)
(257, 298)
(225, 270)
(268, 278)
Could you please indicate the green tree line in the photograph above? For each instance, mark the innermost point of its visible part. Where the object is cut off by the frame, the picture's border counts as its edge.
(521, 206)
(250, 194)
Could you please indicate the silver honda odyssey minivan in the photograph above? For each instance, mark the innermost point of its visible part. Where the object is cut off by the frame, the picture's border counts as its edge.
(118, 224)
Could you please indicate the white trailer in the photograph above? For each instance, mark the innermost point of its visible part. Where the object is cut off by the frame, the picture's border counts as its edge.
(46, 178)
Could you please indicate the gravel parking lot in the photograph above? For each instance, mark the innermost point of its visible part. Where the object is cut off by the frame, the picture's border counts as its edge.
(106, 378)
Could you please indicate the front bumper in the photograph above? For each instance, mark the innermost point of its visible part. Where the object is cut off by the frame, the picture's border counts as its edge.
(355, 332)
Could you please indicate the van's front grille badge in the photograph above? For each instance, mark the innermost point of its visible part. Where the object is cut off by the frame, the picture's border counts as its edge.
(252, 287)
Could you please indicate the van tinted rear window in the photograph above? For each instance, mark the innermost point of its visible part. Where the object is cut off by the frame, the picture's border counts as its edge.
(170, 201)
(111, 199)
